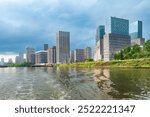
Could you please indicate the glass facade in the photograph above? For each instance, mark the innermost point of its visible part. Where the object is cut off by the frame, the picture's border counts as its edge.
(117, 26)
(100, 33)
(45, 46)
(113, 43)
(136, 30)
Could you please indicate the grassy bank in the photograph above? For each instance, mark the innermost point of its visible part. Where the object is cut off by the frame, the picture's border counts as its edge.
(115, 63)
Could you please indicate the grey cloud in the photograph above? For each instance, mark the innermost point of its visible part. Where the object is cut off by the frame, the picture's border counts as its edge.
(33, 22)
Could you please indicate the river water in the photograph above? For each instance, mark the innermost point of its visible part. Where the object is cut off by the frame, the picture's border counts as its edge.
(73, 83)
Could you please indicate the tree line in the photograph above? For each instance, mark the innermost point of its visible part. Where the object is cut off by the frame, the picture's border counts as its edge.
(134, 52)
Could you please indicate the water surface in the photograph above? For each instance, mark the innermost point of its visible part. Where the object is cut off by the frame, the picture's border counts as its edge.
(72, 83)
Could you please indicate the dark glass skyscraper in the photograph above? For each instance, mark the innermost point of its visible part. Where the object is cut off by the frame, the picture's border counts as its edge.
(98, 51)
(45, 46)
(116, 38)
(100, 33)
(117, 26)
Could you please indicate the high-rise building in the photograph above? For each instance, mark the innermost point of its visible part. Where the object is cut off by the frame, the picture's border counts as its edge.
(87, 52)
(136, 33)
(136, 30)
(45, 46)
(63, 47)
(100, 32)
(30, 55)
(79, 55)
(117, 26)
(116, 38)
(21, 56)
(113, 43)
(51, 55)
(98, 50)
(54, 54)
(19, 59)
(41, 57)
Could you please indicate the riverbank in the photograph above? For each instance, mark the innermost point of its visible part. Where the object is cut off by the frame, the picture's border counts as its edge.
(25, 64)
(29, 65)
(145, 63)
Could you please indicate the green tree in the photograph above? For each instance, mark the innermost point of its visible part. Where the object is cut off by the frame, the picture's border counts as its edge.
(89, 60)
(146, 46)
(134, 52)
(127, 50)
(119, 56)
(127, 56)
(25, 64)
(136, 49)
(127, 53)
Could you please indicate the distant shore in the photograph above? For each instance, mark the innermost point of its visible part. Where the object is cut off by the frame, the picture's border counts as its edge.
(137, 63)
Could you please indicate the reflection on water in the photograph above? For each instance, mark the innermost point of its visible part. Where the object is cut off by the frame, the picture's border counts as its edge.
(102, 77)
(72, 83)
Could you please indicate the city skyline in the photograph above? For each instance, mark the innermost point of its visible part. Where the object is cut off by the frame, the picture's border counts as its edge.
(114, 25)
(24, 23)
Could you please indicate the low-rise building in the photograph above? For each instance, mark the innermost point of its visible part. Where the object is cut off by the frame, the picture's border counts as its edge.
(139, 41)
(79, 55)
(71, 56)
(2, 61)
(87, 52)
(41, 57)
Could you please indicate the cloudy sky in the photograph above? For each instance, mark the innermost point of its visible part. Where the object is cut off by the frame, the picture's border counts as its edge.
(35, 22)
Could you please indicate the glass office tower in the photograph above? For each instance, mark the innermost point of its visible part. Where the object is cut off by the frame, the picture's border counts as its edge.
(116, 38)
(136, 30)
(100, 33)
(117, 26)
